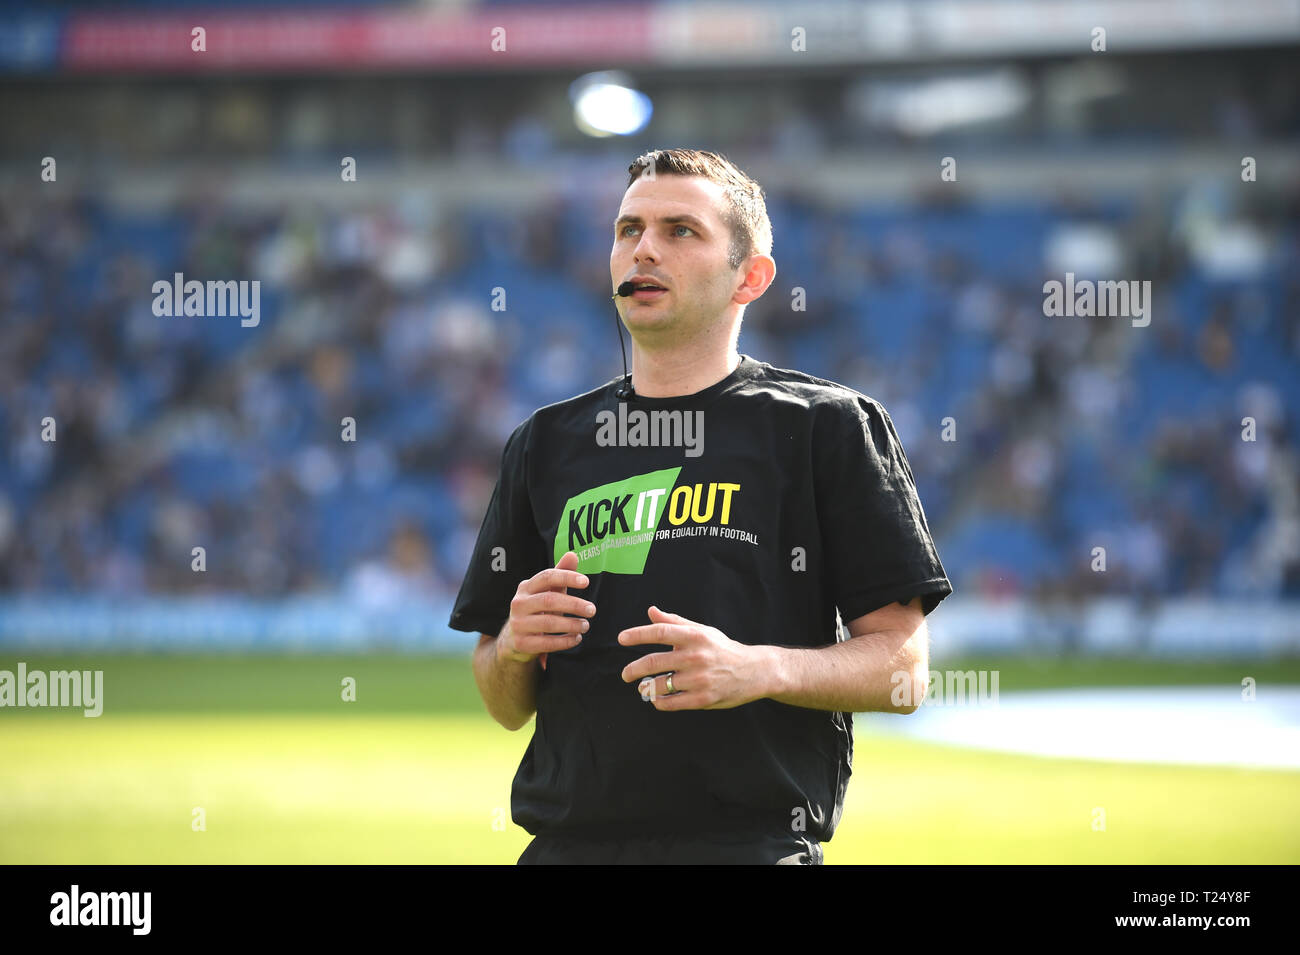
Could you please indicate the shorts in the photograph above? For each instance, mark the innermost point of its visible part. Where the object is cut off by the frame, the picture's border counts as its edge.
(723, 849)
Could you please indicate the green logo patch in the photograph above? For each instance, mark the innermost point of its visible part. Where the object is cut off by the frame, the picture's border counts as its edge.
(611, 527)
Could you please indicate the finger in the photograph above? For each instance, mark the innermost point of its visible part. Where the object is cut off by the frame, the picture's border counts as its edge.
(655, 686)
(681, 701)
(651, 663)
(651, 687)
(549, 601)
(540, 643)
(669, 634)
(546, 623)
(663, 616)
(554, 578)
(568, 564)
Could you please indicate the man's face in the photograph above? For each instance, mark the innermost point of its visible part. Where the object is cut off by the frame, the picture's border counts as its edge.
(669, 230)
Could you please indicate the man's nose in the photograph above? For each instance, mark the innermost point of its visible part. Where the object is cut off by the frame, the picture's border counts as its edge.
(645, 250)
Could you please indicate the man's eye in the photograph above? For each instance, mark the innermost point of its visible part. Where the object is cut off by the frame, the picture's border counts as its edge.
(624, 230)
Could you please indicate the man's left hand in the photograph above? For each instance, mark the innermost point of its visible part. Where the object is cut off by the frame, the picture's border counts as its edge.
(710, 671)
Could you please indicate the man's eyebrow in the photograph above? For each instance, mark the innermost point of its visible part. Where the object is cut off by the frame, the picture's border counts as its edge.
(670, 220)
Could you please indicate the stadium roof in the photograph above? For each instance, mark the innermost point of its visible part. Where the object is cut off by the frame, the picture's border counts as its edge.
(666, 35)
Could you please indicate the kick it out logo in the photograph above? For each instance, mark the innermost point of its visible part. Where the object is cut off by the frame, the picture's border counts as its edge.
(611, 527)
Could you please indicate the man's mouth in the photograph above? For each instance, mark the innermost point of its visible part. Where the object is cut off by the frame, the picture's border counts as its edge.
(647, 292)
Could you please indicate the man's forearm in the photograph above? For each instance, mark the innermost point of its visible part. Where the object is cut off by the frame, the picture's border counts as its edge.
(508, 688)
(859, 675)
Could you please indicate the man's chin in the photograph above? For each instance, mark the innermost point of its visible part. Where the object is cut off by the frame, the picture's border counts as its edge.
(648, 318)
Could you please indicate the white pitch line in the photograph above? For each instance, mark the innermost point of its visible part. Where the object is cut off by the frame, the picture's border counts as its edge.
(1189, 725)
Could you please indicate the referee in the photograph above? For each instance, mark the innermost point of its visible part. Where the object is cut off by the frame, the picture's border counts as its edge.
(665, 562)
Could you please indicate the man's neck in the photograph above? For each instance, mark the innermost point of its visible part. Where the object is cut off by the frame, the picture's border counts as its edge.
(667, 374)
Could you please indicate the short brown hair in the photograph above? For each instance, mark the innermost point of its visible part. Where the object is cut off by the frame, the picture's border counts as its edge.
(745, 212)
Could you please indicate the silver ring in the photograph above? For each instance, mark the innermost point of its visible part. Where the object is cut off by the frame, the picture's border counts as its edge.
(669, 684)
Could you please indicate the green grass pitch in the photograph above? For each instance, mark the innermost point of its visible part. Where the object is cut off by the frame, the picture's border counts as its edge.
(414, 771)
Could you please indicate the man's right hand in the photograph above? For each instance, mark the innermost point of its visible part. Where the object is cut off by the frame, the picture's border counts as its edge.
(537, 623)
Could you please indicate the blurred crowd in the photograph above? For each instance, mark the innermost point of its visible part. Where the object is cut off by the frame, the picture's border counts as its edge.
(1054, 456)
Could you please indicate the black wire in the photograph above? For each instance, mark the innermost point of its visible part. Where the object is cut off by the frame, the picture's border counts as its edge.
(626, 389)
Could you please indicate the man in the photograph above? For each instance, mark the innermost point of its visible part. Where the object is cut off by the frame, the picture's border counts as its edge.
(694, 697)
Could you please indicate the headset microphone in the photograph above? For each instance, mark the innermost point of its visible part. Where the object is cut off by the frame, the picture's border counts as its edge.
(624, 391)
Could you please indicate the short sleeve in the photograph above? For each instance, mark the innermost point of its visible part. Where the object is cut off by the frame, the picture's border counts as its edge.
(493, 576)
(876, 540)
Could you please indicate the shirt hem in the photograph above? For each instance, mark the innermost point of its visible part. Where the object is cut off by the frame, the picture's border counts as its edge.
(475, 624)
(875, 599)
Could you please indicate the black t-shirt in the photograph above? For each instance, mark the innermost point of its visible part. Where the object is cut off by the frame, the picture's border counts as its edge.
(758, 506)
